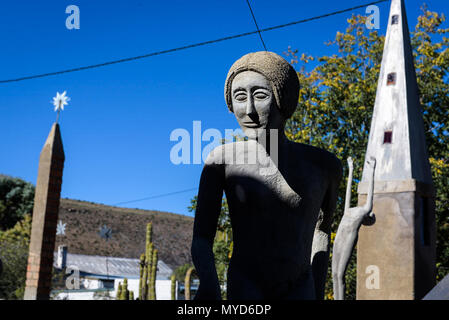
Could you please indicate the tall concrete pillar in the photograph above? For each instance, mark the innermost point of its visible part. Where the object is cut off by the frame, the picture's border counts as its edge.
(45, 217)
(396, 254)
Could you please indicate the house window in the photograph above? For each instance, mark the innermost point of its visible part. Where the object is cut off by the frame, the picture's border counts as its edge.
(395, 19)
(388, 136)
(391, 79)
(108, 284)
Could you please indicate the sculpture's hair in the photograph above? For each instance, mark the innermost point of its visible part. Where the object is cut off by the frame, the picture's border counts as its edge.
(281, 75)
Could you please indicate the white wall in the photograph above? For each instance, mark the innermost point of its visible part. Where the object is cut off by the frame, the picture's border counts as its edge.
(163, 288)
(83, 295)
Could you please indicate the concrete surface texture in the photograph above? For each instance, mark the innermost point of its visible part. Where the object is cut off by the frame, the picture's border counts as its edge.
(396, 254)
(280, 205)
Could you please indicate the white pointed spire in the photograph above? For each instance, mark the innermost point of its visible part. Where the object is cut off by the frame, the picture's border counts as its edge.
(397, 138)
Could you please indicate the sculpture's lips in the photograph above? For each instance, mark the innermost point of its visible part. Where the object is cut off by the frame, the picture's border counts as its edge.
(251, 124)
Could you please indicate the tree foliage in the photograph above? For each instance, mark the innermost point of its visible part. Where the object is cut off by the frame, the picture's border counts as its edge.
(16, 206)
(16, 200)
(14, 244)
(180, 272)
(336, 102)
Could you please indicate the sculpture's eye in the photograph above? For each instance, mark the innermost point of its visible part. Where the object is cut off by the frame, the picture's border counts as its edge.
(261, 95)
(240, 96)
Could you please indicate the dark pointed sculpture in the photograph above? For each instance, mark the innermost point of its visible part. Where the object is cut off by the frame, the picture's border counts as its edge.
(45, 218)
(281, 194)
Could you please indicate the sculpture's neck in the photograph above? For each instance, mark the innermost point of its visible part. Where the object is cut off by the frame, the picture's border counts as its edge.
(272, 140)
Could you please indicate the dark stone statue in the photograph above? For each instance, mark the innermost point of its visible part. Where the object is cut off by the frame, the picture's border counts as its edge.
(281, 194)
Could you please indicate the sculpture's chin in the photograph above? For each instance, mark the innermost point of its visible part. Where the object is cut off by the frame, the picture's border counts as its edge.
(252, 133)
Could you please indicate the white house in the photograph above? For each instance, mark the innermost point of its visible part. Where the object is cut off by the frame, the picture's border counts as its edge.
(98, 277)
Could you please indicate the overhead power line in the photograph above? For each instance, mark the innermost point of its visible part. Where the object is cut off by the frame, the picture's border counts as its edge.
(155, 196)
(255, 22)
(199, 44)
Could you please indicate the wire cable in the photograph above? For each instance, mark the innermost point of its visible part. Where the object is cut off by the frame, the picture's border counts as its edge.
(255, 22)
(187, 46)
(155, 196)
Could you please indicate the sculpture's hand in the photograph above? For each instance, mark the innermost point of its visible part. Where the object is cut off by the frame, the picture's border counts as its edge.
(358, 215)
(350, 163)
(369, 219)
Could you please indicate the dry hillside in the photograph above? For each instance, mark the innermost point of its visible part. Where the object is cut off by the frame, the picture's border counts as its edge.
(172, 233)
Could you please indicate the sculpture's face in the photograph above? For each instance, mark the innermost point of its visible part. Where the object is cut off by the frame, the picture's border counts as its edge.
(254, 104)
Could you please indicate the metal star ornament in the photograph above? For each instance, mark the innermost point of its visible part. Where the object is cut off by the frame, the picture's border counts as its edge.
(105, 232)
(60, 228)
(59, 102)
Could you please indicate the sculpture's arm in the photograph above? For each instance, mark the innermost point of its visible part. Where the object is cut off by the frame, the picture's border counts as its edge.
(321, 237)
(346, 237)
(344, 244)
(368, 207)
(349, 185)
(205, 225)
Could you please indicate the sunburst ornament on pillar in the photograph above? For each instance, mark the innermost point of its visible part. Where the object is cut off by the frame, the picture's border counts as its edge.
(59, 102)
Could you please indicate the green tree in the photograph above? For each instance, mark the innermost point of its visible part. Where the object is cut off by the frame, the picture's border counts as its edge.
(16, 200)
(180, 272)
(337, 97)
(14, 244)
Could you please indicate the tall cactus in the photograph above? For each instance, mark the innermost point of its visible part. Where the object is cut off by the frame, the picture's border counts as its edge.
(142, 275)
(173, 286)
(148, 268)
(152, 285)
(149, 264)
(187, 282)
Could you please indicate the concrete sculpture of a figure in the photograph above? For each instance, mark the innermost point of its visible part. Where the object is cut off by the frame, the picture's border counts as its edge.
(280, 206)
(348, 229)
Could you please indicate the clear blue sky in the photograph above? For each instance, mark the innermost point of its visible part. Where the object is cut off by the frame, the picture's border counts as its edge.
(117, 126)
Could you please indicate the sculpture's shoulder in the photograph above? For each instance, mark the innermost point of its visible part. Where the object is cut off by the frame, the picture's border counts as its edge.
(324, 160)
(227, 153)
(215, 157)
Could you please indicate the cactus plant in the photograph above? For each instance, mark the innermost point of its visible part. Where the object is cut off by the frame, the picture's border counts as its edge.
(122, 291)
(153, 275)
(142, 275)
(148, 268)
(187, 282)
(118, 295)
(125, 292)
(173, 286)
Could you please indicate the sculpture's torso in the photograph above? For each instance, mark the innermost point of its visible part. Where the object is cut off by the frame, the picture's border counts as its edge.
(273, 211)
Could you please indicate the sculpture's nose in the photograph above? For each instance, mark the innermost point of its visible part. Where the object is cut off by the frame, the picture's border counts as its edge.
(250, 108)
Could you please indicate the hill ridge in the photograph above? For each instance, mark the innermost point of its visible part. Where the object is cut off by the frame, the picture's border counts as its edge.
(172, 233)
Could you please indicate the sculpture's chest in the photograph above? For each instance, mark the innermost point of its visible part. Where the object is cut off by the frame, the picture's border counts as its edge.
(276, 187)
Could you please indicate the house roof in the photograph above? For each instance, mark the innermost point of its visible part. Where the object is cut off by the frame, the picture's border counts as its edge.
(111, 267)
